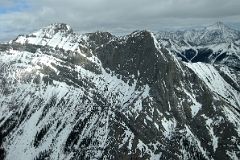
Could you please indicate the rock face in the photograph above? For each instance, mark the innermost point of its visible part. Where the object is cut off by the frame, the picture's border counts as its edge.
(140, 96)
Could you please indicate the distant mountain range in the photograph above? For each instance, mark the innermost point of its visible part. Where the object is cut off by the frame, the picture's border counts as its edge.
(163, 95)
(213, 34)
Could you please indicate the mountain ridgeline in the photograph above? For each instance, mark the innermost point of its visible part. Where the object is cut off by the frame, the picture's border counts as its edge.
(164, 95)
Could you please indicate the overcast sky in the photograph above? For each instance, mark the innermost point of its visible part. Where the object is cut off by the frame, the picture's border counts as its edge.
(116, 16)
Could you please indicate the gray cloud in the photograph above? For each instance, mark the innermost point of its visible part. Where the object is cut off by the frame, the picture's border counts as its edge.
(117, 16)
(6, 3)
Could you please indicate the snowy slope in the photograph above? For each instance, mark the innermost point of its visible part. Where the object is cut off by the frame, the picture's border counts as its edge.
(97, 96)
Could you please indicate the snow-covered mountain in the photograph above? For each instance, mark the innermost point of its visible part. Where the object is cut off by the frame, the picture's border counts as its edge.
(213, 34)
(215, 44)
(97, 96)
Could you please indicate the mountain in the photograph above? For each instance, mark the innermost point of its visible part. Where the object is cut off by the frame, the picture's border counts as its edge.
(216, 44)
(98, 96)
(213, 34)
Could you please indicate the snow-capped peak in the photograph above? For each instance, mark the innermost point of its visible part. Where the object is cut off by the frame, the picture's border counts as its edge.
(212, 34)
(217, 26)
(58, 27)
(218, 33)
(55, 35)
(53, 29)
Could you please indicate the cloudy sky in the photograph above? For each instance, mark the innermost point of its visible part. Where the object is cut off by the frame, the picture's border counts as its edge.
(116, 16)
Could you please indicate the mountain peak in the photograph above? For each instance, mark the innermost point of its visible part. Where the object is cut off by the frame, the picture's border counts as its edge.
(56, 27)
(50, 35)
(140, 32)
(217, 26)
(219, 23)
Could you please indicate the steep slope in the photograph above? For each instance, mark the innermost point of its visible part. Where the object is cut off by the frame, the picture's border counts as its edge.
(217, 44)
(97, 96)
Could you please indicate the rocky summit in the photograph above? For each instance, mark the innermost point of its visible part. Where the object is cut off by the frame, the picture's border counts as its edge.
(163, 95)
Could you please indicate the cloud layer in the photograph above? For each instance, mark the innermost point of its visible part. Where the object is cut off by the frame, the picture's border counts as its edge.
(114, 16)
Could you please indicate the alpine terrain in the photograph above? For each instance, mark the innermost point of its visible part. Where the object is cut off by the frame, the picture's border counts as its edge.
(163, 95)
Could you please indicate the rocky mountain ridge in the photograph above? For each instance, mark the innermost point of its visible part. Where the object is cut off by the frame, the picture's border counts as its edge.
(98, 96)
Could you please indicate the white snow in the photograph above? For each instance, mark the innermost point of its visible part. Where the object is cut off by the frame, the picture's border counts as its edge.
(169, 127)
(215, 82)
(196, 106)
(209, 125)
